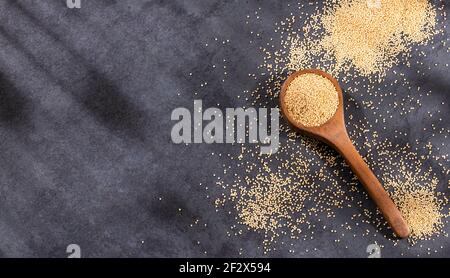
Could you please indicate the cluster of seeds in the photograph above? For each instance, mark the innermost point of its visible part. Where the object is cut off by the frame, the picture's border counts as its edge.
(311, 99)
(422, 207)
(268, 201)
(370, 37)
(421, 210)
(352, 34)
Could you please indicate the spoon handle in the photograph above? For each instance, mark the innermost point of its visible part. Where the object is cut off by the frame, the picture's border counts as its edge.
(344, 145)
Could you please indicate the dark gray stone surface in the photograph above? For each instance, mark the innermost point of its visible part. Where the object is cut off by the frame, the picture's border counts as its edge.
(85, 148)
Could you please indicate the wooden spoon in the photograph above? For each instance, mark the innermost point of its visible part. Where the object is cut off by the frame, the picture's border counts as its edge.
(334, 133)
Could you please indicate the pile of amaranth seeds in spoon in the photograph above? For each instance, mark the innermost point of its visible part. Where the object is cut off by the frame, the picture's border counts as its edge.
(311, 99)
(319, 177)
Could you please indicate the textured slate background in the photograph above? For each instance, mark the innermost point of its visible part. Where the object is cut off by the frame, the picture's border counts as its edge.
(85, 149)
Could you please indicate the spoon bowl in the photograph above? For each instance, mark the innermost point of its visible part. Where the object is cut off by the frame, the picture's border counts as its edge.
(334, 133)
